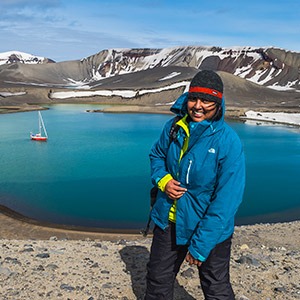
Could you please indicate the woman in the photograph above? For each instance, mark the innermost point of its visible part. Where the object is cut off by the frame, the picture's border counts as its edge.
(201, 177)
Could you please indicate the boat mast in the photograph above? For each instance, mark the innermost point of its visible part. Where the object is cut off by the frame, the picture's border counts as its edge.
(42, 125)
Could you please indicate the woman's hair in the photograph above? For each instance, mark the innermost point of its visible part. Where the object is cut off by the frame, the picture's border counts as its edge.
(218, 114)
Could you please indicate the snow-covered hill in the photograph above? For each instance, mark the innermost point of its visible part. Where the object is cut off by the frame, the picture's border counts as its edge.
(21, 57)
(275, 68)
(270, 67)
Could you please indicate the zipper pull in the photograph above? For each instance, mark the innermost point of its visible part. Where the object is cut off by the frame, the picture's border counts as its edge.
(188, 171)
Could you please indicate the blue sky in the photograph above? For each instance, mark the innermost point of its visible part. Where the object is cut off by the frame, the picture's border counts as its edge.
(74, 29)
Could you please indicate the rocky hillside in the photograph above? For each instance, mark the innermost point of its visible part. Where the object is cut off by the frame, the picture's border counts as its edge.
(250, 72)
(265, 66)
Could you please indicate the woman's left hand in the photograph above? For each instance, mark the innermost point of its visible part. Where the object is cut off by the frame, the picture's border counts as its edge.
(192, 261)
(173, 189)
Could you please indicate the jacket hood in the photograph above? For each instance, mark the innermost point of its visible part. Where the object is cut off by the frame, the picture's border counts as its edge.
(180, 109)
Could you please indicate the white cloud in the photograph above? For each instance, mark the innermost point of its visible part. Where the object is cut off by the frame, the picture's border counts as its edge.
(61, 29)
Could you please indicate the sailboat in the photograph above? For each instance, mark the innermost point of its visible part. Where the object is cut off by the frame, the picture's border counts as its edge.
(42, 134)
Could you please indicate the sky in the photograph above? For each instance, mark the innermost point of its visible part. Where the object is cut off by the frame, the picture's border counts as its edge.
(69, 30)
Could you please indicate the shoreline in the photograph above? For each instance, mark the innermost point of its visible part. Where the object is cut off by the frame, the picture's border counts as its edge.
(232, 113)
(15, 225)
(9, 109)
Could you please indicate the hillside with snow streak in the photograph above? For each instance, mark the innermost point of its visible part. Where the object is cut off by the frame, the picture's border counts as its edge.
(258, 79)
(269, 67)
(275, 68)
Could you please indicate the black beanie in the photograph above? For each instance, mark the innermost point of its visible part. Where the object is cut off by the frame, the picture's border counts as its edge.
(207, 85)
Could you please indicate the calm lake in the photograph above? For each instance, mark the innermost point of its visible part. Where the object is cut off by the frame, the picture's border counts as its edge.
(94, 170)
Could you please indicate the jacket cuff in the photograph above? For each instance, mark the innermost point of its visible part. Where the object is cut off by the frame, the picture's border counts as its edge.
(163, 182)
(196, 255)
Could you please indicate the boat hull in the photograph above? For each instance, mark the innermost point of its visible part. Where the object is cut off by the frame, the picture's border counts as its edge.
(38, 138)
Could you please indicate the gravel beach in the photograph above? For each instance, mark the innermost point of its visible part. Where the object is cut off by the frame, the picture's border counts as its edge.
(39, 262)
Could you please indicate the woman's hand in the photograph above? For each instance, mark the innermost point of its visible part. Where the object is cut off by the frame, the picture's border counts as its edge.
(173, 189)
(192, 261)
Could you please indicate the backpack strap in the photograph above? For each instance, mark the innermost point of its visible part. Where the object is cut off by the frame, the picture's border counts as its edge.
(174, 129)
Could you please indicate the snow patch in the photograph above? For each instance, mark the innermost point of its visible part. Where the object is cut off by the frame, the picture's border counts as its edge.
(109, 93)
(280, 117)
(172, 75)
(8, 94)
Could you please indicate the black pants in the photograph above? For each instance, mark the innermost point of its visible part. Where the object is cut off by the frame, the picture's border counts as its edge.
(166, 258)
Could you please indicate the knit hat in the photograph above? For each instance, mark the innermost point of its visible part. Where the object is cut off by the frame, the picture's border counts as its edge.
(207, 85)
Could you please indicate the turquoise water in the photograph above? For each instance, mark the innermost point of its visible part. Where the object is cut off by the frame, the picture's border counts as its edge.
(94, 169)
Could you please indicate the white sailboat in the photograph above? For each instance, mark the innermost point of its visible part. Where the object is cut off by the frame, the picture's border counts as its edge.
(42, 134)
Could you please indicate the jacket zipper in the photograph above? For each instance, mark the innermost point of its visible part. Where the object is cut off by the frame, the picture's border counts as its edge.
(188, 171)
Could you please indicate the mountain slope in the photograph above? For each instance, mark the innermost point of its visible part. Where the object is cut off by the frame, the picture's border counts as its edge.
(252, 76)
(271, 67)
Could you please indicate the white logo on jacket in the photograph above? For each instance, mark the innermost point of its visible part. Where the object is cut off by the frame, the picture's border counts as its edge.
(211, 150)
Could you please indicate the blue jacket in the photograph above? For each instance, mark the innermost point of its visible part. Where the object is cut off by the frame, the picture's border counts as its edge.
(213, 171)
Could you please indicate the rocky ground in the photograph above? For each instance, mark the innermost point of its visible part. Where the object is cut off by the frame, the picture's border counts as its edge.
(47, 263)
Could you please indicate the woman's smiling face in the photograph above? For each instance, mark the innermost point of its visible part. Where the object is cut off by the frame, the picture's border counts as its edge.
(201, 109)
